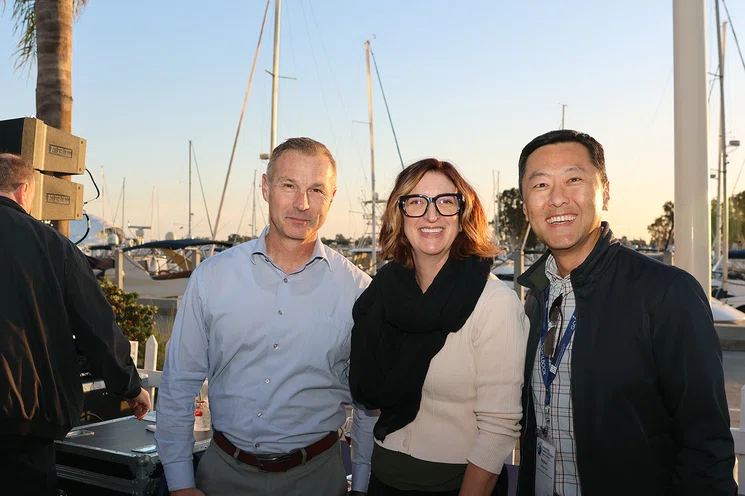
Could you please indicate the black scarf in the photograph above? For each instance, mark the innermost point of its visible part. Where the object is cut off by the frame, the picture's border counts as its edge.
(398, 330)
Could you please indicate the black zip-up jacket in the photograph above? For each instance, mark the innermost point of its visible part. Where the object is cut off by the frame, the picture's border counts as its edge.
(649, 407)
(49, 295)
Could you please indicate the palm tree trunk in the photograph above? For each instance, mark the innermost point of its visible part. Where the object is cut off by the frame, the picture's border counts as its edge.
(54, 70)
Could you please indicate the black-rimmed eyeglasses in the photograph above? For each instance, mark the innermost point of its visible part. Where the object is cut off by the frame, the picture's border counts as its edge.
(447, 204)
(556, 321)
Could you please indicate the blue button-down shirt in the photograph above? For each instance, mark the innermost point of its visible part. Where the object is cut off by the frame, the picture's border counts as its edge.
(275, 348)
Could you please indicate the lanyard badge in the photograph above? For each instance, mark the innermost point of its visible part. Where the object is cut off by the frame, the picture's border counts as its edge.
(553, 352)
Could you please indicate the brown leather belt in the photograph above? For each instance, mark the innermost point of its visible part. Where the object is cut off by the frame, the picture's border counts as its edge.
(276, 463)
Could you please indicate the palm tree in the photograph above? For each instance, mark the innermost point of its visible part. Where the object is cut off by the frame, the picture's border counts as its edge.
(44, 28)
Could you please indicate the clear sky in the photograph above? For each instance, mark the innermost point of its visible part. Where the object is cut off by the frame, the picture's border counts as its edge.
(471, 82)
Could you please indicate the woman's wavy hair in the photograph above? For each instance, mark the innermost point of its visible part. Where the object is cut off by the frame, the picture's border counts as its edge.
(473, 238)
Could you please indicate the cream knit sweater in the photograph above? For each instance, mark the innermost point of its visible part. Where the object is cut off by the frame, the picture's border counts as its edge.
(470, 408)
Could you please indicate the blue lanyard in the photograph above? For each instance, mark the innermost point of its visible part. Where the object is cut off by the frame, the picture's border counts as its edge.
(549, 367)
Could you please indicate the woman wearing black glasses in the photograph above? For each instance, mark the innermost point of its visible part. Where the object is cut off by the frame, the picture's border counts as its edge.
(438, 344)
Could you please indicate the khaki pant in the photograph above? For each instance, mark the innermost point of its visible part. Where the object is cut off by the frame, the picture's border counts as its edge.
(219, 474)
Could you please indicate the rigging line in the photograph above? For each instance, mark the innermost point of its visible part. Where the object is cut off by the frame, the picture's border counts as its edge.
(288, 30)
(331, 67)
(323, 94)
(149, 212)
(649, 124)
(116, 212)
(359, 153)
(711, 85)
(315, 62)
(738, 178)
(201, 186)
(734, 33)
(263, 218)
(385, 100)
(240, 123)
(336, 87)
(245, 205)
(157, 205)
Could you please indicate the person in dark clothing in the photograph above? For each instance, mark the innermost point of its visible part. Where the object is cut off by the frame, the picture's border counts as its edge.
(51, 304)
(624, 387)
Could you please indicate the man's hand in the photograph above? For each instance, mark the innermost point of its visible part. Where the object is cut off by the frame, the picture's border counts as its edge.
(141, 404)
(191, 491)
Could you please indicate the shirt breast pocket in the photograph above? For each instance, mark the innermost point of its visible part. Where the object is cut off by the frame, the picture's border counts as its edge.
(329, 341)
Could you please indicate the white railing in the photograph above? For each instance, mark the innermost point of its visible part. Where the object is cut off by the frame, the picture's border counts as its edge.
(739, 437)
(150, 364)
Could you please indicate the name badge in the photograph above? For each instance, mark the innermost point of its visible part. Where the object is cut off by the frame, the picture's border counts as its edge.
(545, 468)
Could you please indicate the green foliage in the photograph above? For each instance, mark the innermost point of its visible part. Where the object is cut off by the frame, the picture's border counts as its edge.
(363, 241)
(237, 239)
(135, 320)
(339, 240)
(662, 227)
(512, 221)
(342, 240)
(737, 218)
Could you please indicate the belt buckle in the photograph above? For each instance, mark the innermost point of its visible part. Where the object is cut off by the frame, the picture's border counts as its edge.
(261, 459)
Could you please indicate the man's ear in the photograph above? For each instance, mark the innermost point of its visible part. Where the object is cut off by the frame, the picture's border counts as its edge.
(24, 195)
(606, 195)
(265, 186)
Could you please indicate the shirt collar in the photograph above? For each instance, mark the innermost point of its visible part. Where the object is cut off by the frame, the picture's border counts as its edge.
(554, 279)
(8, 202)
(319, 251)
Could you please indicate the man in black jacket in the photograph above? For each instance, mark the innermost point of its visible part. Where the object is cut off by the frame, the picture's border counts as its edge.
(624, 387)
(50, 302)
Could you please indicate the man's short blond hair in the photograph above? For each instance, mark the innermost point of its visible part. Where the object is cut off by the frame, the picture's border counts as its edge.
(14, 171)
(305, 146)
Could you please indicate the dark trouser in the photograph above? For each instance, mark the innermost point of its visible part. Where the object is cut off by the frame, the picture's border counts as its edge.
(378, 488)
(28, 464)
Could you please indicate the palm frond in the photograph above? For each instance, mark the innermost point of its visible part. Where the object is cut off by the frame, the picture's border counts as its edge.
(24, 20)
(78, 7)
(24, 27)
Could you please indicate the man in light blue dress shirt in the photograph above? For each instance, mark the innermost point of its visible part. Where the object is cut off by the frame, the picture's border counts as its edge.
(269, 322)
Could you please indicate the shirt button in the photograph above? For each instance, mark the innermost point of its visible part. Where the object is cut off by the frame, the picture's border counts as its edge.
(257, 445)
(275, 346)
(280, 312)
(267, 380)
(285, 279)
(260, 415)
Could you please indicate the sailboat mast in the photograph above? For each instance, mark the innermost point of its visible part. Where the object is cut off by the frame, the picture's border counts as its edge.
(253, 210)
(723, 157)
(152, 211)
(124, 184)
(189, 231)
(373, 252)
(103, 200)
(495, 187)
(238, 131)
(275, 77)
(563, 115)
